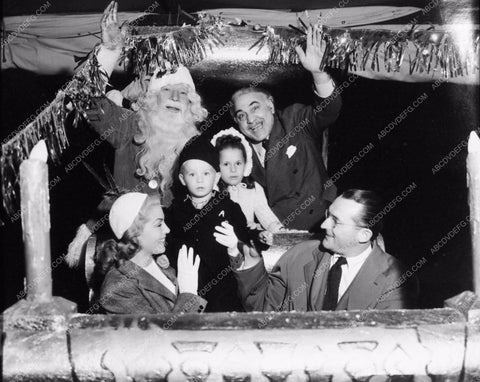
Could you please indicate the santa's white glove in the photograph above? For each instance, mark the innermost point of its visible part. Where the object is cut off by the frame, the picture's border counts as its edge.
(226, 237)
(187, 270)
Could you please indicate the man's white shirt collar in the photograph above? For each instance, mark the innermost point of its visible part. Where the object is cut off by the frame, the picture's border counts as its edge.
(353, 260)
(351, 269)
(260, 152)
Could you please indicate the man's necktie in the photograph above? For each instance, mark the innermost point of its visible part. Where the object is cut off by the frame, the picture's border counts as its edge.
(265, 144)
(265, 147)
(333, 282)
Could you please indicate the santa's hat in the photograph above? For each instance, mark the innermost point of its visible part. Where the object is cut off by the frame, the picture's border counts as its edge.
(173, 75)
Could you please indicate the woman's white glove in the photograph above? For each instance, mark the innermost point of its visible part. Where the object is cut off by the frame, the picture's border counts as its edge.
(225, 236)
(187, 270)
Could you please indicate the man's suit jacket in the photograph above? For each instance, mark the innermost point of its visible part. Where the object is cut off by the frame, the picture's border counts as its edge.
(294, 177)
(298, 282)
(129, 289)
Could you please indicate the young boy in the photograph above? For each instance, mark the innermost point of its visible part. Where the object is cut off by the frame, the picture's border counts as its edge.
(210, 223)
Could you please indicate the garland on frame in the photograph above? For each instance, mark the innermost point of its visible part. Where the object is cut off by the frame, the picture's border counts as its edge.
(352, 49)
(184, 45)
(147, 48)
(50, 126)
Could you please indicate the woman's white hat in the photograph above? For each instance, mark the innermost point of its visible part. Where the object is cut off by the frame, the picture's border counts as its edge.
(124, 211)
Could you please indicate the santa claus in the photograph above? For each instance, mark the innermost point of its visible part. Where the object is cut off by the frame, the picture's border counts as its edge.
(147, 141)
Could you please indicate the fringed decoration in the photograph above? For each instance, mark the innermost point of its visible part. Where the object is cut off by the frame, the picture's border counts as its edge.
(361, 49)
(48, 125)
(150, 47)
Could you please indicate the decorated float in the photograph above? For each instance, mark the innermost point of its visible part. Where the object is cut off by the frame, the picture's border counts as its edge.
(44, 338)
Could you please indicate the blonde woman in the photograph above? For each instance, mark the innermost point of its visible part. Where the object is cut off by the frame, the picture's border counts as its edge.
(133, 282)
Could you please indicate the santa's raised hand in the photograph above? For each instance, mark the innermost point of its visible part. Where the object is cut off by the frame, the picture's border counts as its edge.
(113, 35)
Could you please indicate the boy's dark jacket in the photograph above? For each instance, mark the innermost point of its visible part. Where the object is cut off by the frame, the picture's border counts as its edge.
(195, 228)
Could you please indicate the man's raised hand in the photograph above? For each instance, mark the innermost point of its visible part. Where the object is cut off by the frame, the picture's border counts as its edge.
(315, 49)
(312, 58)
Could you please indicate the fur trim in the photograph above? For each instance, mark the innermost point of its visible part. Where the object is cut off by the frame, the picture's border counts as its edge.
(75, 248)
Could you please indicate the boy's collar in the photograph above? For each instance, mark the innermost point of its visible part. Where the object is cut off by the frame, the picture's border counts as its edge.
(201, 204)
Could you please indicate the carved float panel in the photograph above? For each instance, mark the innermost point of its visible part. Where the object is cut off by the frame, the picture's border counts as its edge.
(437, 345)
(292, 347)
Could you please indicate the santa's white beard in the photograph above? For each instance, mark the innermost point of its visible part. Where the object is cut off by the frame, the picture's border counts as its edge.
(171, 130)
(164, 141)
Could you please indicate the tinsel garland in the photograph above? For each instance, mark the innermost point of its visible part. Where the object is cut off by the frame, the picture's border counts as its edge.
(353, 49)
(150, 47)
(179, 45)
(49, 125)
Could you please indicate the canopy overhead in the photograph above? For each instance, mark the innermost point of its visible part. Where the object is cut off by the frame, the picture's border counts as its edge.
(48, 43)
(27, 7)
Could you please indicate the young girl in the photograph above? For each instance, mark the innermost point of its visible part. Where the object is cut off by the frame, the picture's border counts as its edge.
(134, 283)
(235, 155)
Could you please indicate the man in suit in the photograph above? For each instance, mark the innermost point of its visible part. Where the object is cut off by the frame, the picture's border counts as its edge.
(287, 159)
(346, 270)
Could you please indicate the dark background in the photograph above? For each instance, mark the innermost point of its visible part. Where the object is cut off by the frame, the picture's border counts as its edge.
(405, 155)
